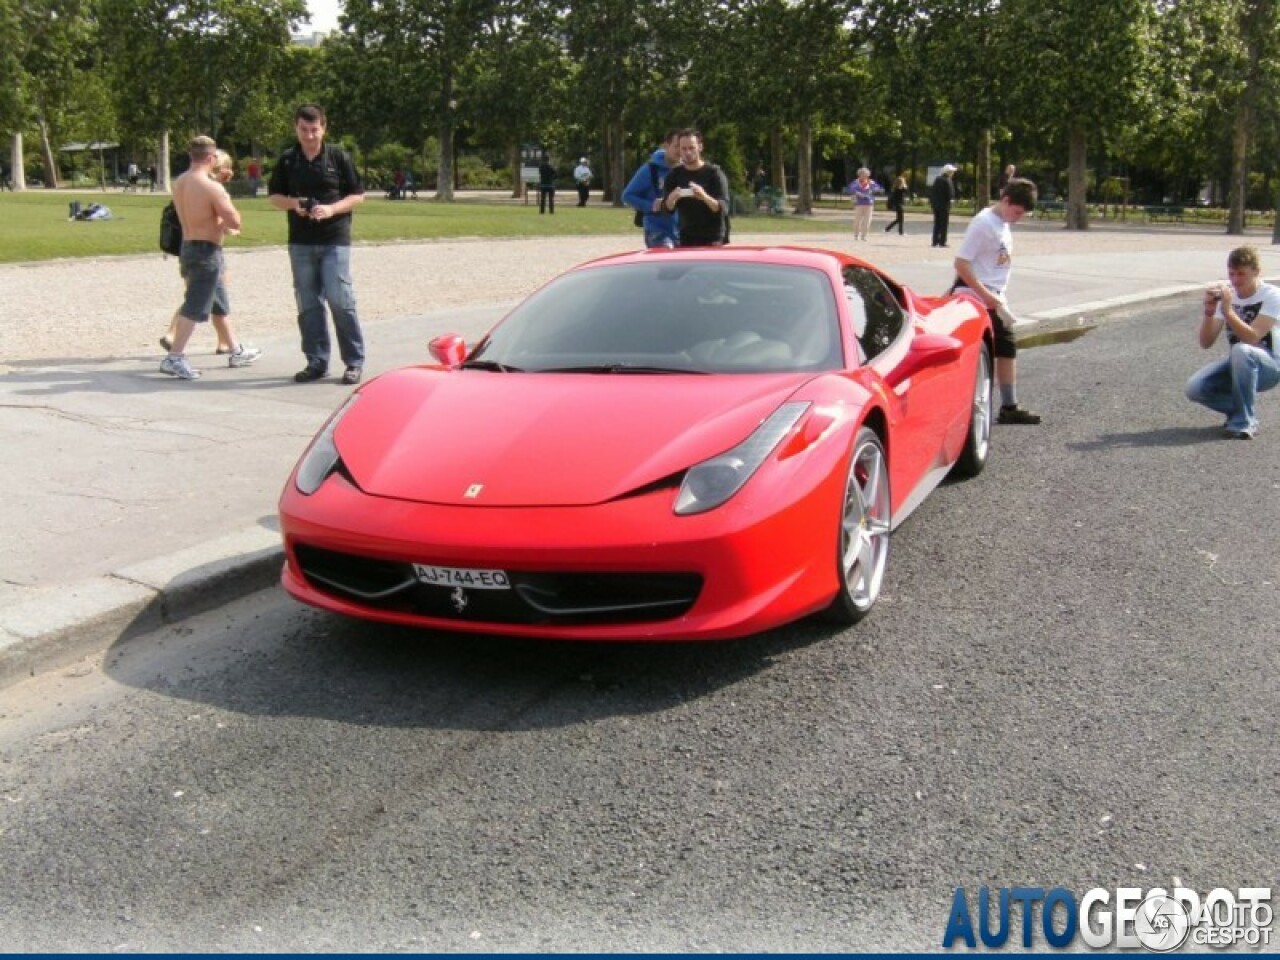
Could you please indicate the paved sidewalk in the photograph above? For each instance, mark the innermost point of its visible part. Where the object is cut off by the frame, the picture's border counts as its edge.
(132, 499)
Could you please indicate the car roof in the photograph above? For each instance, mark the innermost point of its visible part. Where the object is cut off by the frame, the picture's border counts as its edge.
(813, 257)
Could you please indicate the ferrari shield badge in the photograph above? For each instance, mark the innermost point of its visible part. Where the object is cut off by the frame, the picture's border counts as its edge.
(459, 599)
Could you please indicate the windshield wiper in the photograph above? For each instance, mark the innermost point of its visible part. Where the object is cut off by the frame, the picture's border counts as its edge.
(620, 368)
(493, 365)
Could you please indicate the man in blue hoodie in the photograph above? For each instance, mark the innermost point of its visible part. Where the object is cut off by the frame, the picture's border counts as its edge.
(644, 193)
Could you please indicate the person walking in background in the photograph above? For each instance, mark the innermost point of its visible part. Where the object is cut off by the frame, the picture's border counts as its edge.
(317, 185)
(863, 190)
(207, 216)
(644, 193)
(699, 194)
(983, 265)
(222, 171)
(898, 204)
(582, 177)
(759, 182)
(253, 172)
(546, 186)
(1246, 308)
(941, 193)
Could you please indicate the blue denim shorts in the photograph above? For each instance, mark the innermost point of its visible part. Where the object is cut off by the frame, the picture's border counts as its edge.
(200, 264)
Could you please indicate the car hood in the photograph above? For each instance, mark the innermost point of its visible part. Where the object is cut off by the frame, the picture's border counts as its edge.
(471, 437)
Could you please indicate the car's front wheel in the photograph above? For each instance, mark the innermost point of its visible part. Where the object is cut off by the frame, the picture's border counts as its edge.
(865, 521)
(977, 444)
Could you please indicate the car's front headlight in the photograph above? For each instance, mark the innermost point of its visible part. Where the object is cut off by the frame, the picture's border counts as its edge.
(322, 456)
(714, 481)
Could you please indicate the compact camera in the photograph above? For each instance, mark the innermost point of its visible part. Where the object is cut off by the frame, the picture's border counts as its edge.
(308, 204)
(686, 191)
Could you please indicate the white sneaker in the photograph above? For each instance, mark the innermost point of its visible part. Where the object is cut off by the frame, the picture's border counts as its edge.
(243, 356)
(175, 365)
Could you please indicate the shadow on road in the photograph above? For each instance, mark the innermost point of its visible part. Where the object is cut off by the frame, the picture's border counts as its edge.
(1165, 437)
(271, 657)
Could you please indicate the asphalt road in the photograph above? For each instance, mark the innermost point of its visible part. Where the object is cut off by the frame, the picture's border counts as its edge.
(1070, 681)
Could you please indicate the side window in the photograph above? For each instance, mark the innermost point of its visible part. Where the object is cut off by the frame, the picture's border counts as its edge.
(877, 316)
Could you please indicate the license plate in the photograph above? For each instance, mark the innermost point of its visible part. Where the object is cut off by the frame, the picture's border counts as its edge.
(462, 577)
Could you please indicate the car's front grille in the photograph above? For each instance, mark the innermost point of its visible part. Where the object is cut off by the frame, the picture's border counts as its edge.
(533, 598)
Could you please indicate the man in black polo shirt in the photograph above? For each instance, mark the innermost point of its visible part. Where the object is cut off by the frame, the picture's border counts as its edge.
(317, 184)
(699, 193)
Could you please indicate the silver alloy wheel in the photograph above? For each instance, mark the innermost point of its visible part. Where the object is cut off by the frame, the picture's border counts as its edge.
(980, 425)
(865, 525)
(977, 441)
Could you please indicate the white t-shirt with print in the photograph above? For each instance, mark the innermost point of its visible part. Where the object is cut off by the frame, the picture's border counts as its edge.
(988, 246)
(1265, 302)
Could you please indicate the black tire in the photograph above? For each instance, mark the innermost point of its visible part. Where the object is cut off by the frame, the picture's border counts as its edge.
(862, 545)
(977, 444)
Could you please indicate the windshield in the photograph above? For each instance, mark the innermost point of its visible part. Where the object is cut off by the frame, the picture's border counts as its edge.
(678, 317)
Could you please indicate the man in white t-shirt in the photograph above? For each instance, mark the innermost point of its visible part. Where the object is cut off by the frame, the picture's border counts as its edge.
(983, 264)
(1246, 308)
(582, 177)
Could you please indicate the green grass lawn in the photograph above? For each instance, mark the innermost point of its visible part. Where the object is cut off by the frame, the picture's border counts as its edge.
(37, 228)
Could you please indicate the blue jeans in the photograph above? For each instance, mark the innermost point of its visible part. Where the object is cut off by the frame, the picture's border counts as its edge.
(1230, 386)
(659, 238)
(322, 274)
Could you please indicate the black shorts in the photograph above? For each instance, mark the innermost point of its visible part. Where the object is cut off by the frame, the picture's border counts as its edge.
(1006, 346)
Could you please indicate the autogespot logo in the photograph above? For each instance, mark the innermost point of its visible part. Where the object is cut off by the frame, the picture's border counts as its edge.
(1162, 923)
(1157, 919)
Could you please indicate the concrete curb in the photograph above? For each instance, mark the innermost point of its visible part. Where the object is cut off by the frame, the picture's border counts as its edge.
(1102, 306)
(69, 623)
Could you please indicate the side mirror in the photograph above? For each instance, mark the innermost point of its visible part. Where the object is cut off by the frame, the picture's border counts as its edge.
(449, 350)
(928, 350)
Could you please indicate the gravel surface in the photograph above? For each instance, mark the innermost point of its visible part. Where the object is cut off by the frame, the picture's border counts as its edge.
(118, 306)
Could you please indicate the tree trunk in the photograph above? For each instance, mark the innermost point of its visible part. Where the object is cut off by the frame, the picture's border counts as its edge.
(1078, 179)
(444, 170)
(804, 168)
(46, 151)
(615, 164)
(981, 196)
(1275, 220)
(17, 166)
(444, 165)
(162, 162)
(777, 164)
(1243, 123)
(513, 165)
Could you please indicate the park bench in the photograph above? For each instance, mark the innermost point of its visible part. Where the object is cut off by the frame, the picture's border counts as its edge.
(1172, 214)
(1048, 209)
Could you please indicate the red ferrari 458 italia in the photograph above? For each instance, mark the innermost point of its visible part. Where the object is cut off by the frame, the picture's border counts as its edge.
(664, 445)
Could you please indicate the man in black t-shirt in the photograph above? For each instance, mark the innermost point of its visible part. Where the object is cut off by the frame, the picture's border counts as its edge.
(317, 184)
(699, 193)
(546, 186)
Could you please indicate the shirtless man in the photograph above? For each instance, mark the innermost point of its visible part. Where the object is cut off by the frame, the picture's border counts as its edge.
(222, 172)
(207, 215)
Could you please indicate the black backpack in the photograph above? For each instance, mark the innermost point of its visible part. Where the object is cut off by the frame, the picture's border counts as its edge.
(170, 230)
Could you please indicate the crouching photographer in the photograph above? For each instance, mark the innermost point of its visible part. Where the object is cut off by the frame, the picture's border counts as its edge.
(1245, 308)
